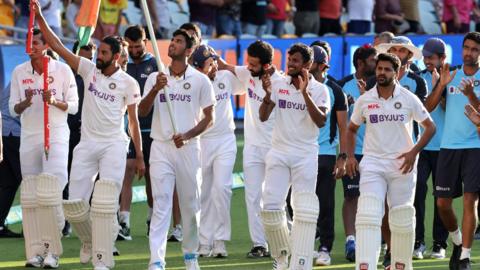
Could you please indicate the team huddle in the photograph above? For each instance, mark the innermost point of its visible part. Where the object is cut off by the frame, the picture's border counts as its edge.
(385, 120)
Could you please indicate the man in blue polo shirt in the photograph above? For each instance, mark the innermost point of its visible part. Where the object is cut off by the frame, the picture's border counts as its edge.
(141, 64)
(459, 150)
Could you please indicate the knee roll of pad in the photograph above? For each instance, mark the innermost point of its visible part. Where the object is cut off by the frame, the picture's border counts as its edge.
(305, 215)
(367, 224)
(276, 231)
(402, 226)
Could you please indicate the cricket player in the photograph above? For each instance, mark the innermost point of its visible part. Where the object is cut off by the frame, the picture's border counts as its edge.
(300, 103)
(388, 166)
(43, 177)
(102, 148)
(175, 157)
(459, 150)
(258, 136)
(434, 58)
(141, 65)
(364, 62)
(218, 153)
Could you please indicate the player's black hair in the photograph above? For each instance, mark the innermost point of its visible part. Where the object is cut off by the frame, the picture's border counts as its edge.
(189, 39)
(303, 49)
(362, 53)
(392, 58)
(90, 46)
(114, 43)
(135, 33)
(37, 31)
(195, 28)
(325, 45)
(474, 36)
(261, 50)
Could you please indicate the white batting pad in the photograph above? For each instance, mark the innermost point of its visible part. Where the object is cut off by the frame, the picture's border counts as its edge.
(402, 226)
(30, 224)
(275, 225)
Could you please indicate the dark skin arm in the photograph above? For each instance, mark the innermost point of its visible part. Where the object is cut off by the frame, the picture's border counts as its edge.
(435, 97)
(267, 105)
(317, 114)
(146, 104)
(342, 120)
(352, 163)
(181, 138)
(134, 129)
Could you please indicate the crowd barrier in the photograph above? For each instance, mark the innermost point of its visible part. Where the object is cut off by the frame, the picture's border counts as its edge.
(234, 51)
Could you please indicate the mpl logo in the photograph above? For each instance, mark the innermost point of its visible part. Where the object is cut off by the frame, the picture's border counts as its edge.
(252, 82)
(27, 81)
(284, 92)
(373, 106)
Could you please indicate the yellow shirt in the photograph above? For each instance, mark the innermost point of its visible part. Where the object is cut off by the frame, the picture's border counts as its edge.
(110, 9)
(6, 16)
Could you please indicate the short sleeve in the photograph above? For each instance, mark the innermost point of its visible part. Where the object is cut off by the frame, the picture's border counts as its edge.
(149, 83)
(237, 87)
(340, 99)
(419, 112)
(275, 88)
(321, 97)
(133, 95)
(207, 94)
(85, 66)
(357, 115)
(243, 74)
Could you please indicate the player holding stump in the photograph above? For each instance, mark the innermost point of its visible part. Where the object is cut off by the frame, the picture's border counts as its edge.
(300, 103)
(175, 158)
(388, 167)
(43, 180)
(102, 148)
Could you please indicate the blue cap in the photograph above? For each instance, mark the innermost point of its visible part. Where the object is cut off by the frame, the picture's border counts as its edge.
(201, 54)
(433, 46)
(319, 55)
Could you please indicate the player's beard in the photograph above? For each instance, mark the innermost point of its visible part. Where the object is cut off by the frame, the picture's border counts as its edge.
(384, 82)
(102, 65)
(137, 56)
(258, 73)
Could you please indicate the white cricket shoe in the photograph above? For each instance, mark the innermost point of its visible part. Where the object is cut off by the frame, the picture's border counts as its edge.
(205, 251)
(191, 262)
(418, 251)
(100, 266)
(51, 261)
(36, 261)
(280, 263)
(323, 258)
(438, 252)
(156, 266)
(177, 234)
(219, 249)
(85, 253)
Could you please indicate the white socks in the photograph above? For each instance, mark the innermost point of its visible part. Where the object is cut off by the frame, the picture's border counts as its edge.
(149, 215)
(124, 217)
(350, 237)
(465, 253)
(456, 237)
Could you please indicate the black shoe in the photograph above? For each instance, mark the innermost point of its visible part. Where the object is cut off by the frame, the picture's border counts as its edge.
(115, 251)
(148, 227)
(124, 233)
(465, 264)
(5, 232)
(477, 233)
(67, 230)
(455, 257)
(258, 252)
(387, 260)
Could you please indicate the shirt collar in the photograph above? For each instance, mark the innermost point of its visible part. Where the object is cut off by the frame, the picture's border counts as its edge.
(52, 66)
(188, 72)
(395, 93)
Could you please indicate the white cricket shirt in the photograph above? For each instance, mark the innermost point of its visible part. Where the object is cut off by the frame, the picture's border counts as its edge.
(294, 131)
(105, 101)
(256, 132)
(189, 95)
(389, 123)
(63, 87)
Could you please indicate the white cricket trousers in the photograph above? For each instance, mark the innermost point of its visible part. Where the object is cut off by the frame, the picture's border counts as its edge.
(384, 178)
(283, 170)
(33, 161)
(170, 167)
(218, 158)
(254, 163)
(90, 158)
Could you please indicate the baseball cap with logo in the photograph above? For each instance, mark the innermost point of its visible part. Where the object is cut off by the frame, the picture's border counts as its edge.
(319, 55)
(201, 54)
(433, 46)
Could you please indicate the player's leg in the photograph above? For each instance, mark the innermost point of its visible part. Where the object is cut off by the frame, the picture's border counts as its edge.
(208, 216)
(31, 165)
(325, 190)
(448, 186)
(277, 182)
(188, 178)
(305, 210)
(223, 181)
(370, 211)
(351, 192)
(439, 232)
(254, 174)
(163, 182)
(177, 232)
(147, 145)
(126, 199)
(424, 169)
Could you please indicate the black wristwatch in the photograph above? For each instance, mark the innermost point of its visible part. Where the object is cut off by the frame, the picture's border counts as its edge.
(342, 156)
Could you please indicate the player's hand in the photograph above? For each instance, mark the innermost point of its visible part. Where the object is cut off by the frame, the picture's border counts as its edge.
(303, 81)
(472, 114)
(408, 161)
(435, 77)
(161, 82)
(49, 98)
(352, 167)
(140, 166)
(37, 8)
(466, 86)
(340, 168)
(28, 97)
(266, 83)
(362, 85)
(180, 139)
(445, 75)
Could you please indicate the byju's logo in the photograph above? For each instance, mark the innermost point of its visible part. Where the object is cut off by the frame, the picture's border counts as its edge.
(373, 118)
(282, 103)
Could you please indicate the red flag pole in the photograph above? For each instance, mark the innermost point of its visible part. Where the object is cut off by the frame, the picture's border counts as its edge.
(31, 21)
(46, 125)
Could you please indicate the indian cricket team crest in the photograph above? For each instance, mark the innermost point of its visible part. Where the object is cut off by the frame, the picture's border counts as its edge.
(397, 105)
(148, 70)
(221, 86)
(50, 79)
(187, 86)
(476, 83)
(112, 86)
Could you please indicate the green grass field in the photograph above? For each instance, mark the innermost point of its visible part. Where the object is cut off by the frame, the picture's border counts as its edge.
(135, 254)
